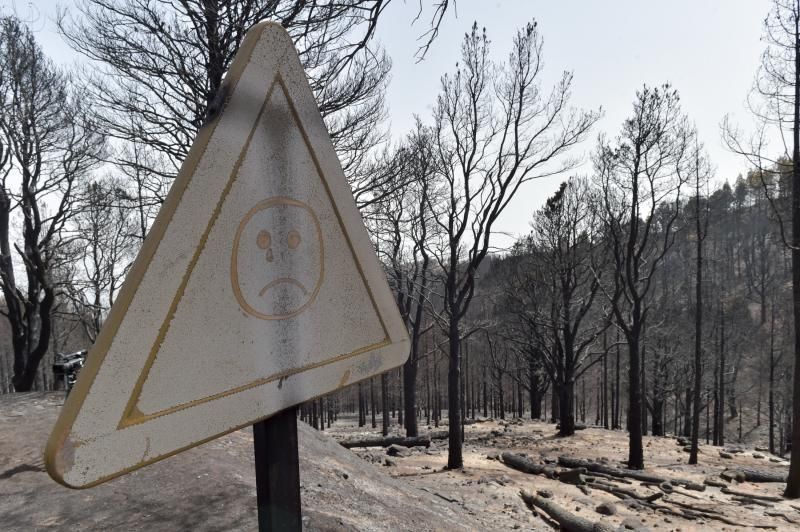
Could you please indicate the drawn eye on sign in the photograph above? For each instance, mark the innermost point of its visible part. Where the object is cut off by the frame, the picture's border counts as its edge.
(277, 259)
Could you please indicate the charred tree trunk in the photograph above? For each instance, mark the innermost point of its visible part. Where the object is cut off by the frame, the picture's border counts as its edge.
(793, 483)
(401, 404)
(362, 414)
(410, 395)
(472, 394)
(463, 397)
(598, 417)
(485, 393)
(715, 424)
(534, 392)
(455, 459)
(566, 401)
(554, 406)
(635, 449)
(605, 384)
(740, 425)
(758, 399)
(385, 405)
(643, 384)
(501, 404)
(437, 401)
(428, 393)
(658, 416)
(770, 391)
(583, 400)
(721, 407)
(687, 413)
(372, 402)
(616, 424)
(708, 415)
(698, 329)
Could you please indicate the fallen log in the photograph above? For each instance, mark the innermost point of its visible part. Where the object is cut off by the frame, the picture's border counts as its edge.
(621, 480)
(399, 440)
(746, 474)
(621, 492)
(578, 476)
(526, 465)
(695, 508)
(731, 491)
(568, 461)
(669, 511)
(715, 483)
(595, 467)
(445, 497)
(733, 450)
(666, 487)
(689, 485)
(690, 512)
(685, 494)
(750, 501)
(566, 520)
(578, 426)
(774, 513)
(418, 441)
(572, 476)
(571, 522)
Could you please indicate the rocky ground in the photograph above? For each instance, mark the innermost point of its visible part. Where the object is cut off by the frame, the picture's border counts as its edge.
(488, 490)
(211, 487)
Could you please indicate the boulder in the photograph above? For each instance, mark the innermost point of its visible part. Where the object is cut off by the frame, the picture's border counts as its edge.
(607, 508)
(398, 450)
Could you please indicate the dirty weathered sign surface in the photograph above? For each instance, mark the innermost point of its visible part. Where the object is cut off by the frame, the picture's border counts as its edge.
(256, 289)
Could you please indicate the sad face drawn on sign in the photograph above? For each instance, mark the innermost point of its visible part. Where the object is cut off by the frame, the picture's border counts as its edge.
(277, 259)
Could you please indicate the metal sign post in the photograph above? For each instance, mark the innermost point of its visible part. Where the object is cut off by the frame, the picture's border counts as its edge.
(277, 472)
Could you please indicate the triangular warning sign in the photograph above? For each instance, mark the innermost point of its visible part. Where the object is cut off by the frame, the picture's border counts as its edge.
(256, 289)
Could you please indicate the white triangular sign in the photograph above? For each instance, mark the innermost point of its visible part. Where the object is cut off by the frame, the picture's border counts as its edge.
(256, 289)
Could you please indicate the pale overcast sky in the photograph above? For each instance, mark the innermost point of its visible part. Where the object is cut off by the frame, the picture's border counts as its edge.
(707, 49)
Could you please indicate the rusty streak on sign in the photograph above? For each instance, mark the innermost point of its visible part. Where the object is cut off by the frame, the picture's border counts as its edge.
(256, 289)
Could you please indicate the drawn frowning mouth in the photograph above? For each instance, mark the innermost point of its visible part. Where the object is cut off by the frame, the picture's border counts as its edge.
(277, 228)
(283, 280)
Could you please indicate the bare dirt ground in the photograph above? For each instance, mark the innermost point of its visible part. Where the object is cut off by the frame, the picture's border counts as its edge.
(208, 488)
(212, 487)
(488, 490)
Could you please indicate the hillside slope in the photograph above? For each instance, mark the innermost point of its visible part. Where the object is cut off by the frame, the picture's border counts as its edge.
(208, 488)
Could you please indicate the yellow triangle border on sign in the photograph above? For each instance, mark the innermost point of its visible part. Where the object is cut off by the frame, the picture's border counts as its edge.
(132, 415)
(62, 444)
